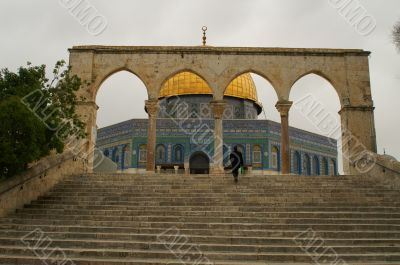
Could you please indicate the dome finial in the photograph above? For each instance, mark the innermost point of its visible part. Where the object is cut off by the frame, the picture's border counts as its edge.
(204, 28)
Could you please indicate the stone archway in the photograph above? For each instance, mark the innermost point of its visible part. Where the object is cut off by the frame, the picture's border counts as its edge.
(199, 163)
(346, 69)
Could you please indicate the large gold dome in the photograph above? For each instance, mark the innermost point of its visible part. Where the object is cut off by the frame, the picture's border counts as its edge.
(187, 83)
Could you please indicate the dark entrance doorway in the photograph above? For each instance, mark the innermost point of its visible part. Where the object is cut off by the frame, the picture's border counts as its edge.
(199, 163)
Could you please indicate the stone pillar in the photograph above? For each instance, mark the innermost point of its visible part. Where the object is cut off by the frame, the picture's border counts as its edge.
(358, 138)
(187, 169)
(218, 107)
(152, 109)
(85, 148)
(283, 107)
(81, 63)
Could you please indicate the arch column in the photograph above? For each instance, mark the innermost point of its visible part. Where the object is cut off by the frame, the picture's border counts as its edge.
(358, 138)
(283, 107)
(152, 107)
(218, 107)
(85, 148)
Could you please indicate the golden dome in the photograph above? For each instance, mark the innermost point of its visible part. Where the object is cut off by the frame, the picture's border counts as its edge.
(187, 83)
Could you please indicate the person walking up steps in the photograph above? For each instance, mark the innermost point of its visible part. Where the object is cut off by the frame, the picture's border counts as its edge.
(236, 159)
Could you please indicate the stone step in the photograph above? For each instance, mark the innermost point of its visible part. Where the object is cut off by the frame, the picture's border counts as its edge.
(221, 185)
(224, 195)
(171, 177)
(232, 232)
(16, 235)
(277, 214)
(32, 260)
(217, 209)
(382, 227)
(267, 217)
(181, 202)
(248, 205)
(121, 219)
(227, 184)
(162, 244)
(213, 194)
(194, 254)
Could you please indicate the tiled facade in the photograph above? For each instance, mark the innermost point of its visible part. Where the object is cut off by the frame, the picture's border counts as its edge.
(179, 138)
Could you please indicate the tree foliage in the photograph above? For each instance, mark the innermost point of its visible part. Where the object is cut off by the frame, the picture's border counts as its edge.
(37, 115)
(396, 35)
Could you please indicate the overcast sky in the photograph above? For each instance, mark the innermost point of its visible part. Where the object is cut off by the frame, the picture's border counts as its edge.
(42, 31)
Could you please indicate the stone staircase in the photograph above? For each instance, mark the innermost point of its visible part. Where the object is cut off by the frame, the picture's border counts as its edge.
(175, 220)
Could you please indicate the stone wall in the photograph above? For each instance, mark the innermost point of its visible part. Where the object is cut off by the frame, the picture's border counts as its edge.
(386, 170)
(39, 179)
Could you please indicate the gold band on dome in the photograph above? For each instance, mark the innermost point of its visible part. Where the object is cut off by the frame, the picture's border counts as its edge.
(187, 83)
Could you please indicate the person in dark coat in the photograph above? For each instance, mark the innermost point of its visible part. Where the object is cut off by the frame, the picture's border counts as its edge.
(236, 159)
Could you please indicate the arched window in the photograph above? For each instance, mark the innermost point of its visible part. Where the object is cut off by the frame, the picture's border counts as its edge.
(275, 158)
(257, 154)
(178, 153)
(325, 168)
(160, 153)
(332, 167)
(143, 153)
(106, 153)
(316, 166)
(114, 155)
(296, 163)
(307, 165)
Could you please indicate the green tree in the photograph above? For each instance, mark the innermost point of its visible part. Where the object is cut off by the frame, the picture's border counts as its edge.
(37, 115)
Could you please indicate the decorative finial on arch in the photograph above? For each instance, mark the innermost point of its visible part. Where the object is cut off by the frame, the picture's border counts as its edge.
(204, 29)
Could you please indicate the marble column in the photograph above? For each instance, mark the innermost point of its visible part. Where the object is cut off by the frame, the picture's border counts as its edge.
(218, 107)
(152, 107)
(283, 107)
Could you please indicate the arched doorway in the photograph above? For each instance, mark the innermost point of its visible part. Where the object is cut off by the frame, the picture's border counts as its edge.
(199, 163)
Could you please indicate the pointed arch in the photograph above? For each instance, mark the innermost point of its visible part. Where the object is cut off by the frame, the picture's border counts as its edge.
(316, 107)
(325, 167)
(120, 97)
(161, 154)
(102, 78)
(316, 166)
(178, 153)
(320, 74)
(275, 158)
(297, 163)
(307, 165)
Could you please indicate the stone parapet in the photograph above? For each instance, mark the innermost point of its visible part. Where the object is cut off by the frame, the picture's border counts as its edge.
(19, 190)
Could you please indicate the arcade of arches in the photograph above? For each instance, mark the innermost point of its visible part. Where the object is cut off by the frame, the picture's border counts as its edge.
(346, 70)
